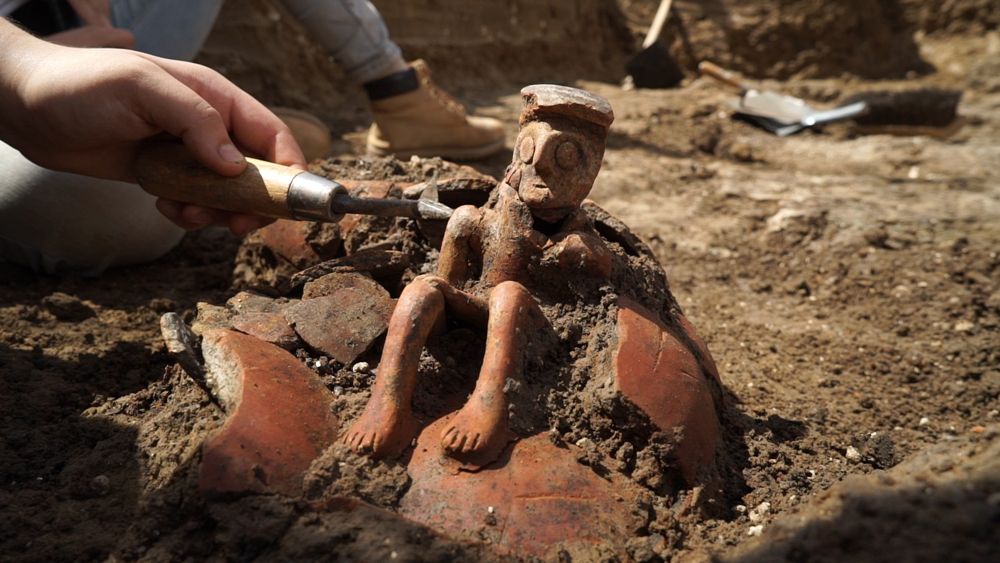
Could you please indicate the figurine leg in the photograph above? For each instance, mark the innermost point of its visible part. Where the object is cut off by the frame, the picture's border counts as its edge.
(387, 425)
(480, 428)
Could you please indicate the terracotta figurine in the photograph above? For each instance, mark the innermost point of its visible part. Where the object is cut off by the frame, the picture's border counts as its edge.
(534, 216)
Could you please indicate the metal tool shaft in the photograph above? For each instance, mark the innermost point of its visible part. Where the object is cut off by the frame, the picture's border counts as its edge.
(317, 198)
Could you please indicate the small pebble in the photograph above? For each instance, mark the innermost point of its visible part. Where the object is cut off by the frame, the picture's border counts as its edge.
(100, 485)
(338, 390)
(964, 326)
(585, 443)
(755, 530)
(757, 514)
(924, 421)
(360, 367)
(739, 508)
(853, 454)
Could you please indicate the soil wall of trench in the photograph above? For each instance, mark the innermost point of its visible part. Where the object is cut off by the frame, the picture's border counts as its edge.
(468, 43)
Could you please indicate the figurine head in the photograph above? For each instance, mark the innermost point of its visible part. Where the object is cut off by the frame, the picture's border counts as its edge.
(559, 148)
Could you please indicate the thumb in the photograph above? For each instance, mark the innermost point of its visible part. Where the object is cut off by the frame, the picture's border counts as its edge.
(178, 110)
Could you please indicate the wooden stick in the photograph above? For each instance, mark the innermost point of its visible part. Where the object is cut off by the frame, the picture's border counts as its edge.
(658, 20)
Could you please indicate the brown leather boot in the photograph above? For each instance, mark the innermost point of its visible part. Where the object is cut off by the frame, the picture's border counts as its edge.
(428, 122)
(312, 135)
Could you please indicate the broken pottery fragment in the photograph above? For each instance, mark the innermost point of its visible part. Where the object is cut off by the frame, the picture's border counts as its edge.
(269, 327)
(537, 500)
(343, 324)
(659, 373)
(331, 283)
(290, 240)
(210, 316)
(249, 302)
(181, 344)
(278, 417)
(384, 266)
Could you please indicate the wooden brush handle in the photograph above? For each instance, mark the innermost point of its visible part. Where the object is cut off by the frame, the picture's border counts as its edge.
(167, 170)
(722, 75)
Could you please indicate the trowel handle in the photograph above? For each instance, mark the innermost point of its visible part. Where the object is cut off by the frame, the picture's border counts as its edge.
(722, 75)
(169, 171)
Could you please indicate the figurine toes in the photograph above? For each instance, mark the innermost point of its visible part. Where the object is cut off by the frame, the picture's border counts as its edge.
(452, 439)
(471, 445)
(456, 440)
(360, 441)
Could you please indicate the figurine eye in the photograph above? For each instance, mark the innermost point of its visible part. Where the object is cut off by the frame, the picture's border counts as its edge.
(567, 154)
(526, 150)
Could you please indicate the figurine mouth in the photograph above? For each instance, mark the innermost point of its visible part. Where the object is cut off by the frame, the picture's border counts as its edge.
(536, 193)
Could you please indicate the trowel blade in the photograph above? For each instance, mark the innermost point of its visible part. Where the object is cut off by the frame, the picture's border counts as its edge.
(781, 108)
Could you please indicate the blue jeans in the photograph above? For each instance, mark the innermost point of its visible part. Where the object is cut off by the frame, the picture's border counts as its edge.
(58, 222)
(350, 30)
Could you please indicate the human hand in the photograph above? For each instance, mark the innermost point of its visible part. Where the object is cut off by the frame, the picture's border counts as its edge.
(87, 110)
(94, 36)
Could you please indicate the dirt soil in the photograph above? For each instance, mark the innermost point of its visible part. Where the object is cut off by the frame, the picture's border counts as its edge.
(848, 287)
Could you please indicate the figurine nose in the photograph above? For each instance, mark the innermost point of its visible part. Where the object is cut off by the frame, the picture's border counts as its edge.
(533, 188)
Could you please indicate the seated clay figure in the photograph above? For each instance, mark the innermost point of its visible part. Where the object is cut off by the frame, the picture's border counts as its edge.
(481, 278)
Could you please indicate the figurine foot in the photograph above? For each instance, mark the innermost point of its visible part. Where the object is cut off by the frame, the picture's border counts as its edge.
(381, 432)
(478, 432)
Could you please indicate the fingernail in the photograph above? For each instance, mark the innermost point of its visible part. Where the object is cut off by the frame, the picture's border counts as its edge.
(229, 152)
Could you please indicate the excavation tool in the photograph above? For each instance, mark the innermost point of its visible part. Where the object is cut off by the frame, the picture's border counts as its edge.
(652, 67)
(167, 170)
(782, 115)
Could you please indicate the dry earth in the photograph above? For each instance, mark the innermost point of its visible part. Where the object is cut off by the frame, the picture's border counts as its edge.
(848, 287)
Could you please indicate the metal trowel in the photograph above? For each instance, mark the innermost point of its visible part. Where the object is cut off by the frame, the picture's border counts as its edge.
(782, 115)
(167, 170)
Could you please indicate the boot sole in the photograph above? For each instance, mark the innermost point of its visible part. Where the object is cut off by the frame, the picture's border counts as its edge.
(450, 153)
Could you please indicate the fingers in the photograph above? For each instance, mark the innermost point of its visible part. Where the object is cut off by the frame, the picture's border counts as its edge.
(192, 217)
(252, 124)
(170, 105)
(241, 225)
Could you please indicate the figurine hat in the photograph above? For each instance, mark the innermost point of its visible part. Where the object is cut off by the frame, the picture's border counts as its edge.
(542, 100)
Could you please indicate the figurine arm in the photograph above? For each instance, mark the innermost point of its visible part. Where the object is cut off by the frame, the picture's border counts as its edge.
(583, 252)
(461, 237)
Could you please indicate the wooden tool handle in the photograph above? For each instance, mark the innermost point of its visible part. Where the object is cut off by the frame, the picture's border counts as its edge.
(657, 27)
(169, 171)
(722, 75)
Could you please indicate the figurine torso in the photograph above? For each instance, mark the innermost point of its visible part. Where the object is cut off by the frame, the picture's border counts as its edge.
(510, 245)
